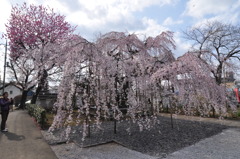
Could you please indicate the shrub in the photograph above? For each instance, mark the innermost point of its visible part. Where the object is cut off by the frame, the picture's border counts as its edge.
(38, 113)
(238, 113)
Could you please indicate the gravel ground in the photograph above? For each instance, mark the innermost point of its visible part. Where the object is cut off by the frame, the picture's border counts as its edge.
(159, 141)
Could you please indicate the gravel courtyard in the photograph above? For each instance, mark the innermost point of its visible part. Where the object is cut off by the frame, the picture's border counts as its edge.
(159, 141)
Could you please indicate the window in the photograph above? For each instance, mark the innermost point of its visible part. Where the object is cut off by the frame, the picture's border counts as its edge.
(11, 92)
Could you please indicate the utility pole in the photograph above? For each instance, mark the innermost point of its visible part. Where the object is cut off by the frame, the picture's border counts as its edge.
(4, 71)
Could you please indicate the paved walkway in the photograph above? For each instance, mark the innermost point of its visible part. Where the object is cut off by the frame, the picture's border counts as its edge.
(24, 140)
(104, 151)
(225, 145)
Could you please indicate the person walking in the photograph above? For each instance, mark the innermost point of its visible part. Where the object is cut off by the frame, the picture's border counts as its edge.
(5, 103)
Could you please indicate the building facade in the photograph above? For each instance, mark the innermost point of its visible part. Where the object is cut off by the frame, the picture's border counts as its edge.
(12, 90)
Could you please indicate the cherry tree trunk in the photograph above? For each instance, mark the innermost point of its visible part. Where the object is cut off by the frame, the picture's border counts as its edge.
(41, 84)
(218, 75)
(23, 99)
(35, 96)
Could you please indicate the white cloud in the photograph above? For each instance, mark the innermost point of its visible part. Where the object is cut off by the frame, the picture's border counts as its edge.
(101, 13)
(58, 6)
(5, 8)
(124, 5)
(100, 16)
(169, 21)
(201, 8)
(32, 2)
(112, 15)
(236, 5)
(228, 18)
(182, 46)
(151, 28)
(226, 11)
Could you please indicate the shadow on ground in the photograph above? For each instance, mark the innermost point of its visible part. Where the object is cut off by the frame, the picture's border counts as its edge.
(13, 136)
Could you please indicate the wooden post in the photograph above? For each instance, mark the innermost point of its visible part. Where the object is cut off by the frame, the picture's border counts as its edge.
(170, 103)
(89, 129)
(115, 126)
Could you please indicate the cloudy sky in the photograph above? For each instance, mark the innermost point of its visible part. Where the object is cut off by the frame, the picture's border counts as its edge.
(144, 17)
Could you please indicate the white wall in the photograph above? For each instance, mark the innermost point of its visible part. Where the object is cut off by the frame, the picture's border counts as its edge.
(12, 91)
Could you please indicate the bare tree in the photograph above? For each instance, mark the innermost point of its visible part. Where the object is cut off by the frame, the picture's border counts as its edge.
(22, 72)
(217, 44)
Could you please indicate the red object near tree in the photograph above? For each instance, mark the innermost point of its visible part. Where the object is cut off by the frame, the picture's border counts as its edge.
(237, 93)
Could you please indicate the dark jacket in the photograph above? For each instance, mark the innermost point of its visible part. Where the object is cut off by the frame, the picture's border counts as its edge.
(5, 104)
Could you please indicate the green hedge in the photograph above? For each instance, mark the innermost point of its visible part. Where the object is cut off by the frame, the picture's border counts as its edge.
(37, 112)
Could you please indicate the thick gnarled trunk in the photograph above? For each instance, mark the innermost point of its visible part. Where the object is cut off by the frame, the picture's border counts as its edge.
(23, 99)
(40, 86)
(218, 75)
(35, 96)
